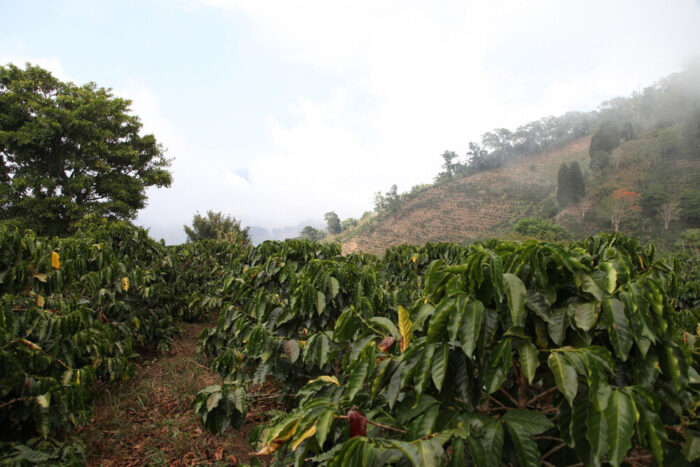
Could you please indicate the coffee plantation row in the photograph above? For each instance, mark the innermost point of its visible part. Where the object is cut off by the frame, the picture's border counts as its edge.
(527, 353)
(73, 313)
(518, 353)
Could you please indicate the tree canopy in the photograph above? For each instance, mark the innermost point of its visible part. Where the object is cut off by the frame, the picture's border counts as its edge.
(333, 222)
(311, 233)
(217, 226)
(570, 185)
(67, 151)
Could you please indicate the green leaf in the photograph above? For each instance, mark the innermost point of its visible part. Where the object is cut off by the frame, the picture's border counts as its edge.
(213, 401)
(618, 327)
(529, 421)
(585, 315)
(323, 426)
(485, 440)
(387, 325)
(356, 380)
(23, 453)
(430, 452)
(588, 285)
(557, 326)
(564, 375)
(439, 369)
(335, 287)
(438, 322)
(651, 425)
(525, 446)
(517, 296)
(471, 326)
(620, 418)
(596, 434)
(455, 319)
(529, 361)
(691, 447)
(423, 368)
(498, 366)
(320, 302)
(424, 424)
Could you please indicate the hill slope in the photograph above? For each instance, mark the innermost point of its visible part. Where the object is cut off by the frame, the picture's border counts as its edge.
(477, 206)
(489, 203)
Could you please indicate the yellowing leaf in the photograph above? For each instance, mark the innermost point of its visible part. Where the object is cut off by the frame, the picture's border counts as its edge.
(326, 379)
(40, 301)
(44, 400)
(40, 277)
(307, 434)
(414, 258)
(288, 434)
(268, 449)
(55, 260)
(30, 344)
(125, 283)
(405, 328)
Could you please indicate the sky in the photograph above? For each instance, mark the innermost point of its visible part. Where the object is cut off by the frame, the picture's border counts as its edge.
(276, 112)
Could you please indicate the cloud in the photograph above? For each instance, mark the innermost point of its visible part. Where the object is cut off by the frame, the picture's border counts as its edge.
(408, 79)
(415, 78)
(53, 64)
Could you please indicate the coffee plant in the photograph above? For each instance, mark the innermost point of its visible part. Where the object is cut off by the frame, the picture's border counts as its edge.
(499, 353)
(75, 311)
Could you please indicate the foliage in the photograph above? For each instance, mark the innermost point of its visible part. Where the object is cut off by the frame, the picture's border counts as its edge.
(348, 223)
(67, 151)
(501, 145)
(652, 199)
(570, 186)
(73, 310)
(311, 233)
(495, 353)
(603, 142)
(541, 229)
(217, 226)
(333, 222)
(690, 206)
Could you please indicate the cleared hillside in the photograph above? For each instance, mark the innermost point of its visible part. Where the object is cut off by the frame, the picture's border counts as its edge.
(477, 206)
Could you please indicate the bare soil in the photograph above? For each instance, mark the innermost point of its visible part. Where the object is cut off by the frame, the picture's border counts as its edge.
(149, 420)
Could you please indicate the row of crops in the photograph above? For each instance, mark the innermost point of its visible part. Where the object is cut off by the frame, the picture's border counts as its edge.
(522, 353)
(74, 313)
(498, 353)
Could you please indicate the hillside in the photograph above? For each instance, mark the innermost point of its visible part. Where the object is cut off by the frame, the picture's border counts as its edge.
(489, 203)
(477, 206)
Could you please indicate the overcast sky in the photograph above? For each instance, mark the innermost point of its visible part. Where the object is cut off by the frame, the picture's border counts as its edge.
(279, 111)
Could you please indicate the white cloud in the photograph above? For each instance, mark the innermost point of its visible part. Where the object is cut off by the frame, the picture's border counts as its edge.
(417, 78)
(53, 64)
(410, 79)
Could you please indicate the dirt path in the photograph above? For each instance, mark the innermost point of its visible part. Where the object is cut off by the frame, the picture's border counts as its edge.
(149, 420)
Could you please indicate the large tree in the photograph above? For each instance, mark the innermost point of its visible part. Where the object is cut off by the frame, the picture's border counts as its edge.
(333, 222)
(218, 226)
(67, 151)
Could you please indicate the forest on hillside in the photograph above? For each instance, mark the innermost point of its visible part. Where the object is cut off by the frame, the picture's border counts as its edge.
(639, 175)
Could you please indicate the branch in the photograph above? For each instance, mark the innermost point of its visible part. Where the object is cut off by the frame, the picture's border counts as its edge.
(553, 450)
(500, 404)
(13, 401)
(512, 399)
(541, 395)
(379, 425)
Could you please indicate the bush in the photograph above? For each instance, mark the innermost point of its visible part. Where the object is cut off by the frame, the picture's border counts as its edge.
(541, 229)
